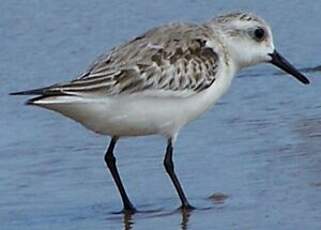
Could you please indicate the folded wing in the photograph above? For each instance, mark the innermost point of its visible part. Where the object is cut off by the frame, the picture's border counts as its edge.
(169, 60)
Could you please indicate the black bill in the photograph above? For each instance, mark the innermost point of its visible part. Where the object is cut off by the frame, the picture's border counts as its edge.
(283, 64)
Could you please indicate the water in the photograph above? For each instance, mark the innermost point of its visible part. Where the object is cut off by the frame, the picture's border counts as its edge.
(252, 162)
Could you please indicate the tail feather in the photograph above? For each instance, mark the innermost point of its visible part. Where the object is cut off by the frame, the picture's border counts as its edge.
(42, 93)
(38, 91)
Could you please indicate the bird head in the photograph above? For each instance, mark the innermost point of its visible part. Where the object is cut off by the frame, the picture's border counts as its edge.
(249, 41)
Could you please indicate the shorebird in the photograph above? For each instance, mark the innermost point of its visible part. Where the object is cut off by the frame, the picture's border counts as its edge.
(161, 80)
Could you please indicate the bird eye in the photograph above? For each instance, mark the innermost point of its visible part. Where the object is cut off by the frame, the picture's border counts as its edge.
(259, 34)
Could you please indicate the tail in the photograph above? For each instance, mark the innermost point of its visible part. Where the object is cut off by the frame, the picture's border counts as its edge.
(38, 91)
(42, 94)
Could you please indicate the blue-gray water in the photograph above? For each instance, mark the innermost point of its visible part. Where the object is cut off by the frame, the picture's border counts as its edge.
(260, 147)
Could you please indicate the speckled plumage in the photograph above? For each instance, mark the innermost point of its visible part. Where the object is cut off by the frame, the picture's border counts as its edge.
(173, 57)
(238, 16)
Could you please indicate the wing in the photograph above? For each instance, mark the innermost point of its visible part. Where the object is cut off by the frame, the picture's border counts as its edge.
(168, 60)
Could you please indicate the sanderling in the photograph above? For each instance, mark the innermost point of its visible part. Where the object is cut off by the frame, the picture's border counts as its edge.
(162, 80)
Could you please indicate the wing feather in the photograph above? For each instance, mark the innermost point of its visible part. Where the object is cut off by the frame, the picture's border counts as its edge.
(172, 58)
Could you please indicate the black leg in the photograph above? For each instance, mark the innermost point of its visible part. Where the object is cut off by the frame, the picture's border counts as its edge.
(169, 166)
(111, 164)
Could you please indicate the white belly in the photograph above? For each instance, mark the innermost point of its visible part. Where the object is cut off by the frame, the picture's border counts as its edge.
(129, 117)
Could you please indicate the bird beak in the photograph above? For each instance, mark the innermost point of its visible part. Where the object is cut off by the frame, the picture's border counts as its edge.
(283, 64)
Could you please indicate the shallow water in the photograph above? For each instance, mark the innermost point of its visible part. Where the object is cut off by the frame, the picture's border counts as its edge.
(252, 162)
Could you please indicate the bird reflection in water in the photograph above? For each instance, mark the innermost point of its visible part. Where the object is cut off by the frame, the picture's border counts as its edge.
(186, 213)
(128, 219)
